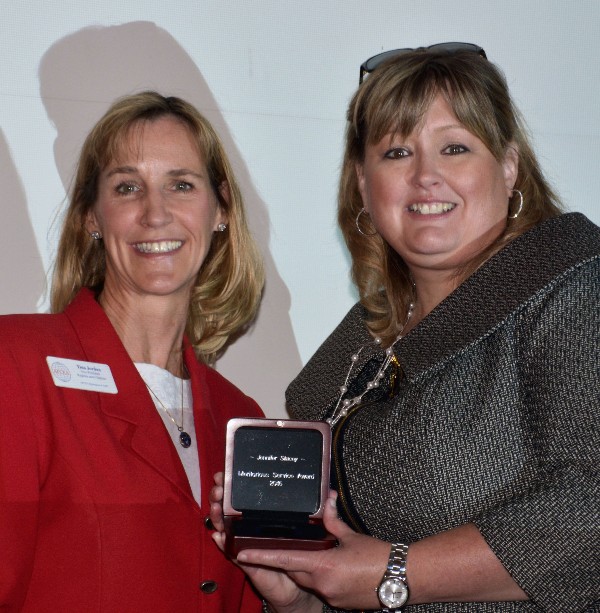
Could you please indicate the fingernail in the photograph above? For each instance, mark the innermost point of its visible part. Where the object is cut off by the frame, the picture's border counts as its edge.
(242, 557)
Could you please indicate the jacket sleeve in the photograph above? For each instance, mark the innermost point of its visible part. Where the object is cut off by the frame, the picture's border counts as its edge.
(19, 482)
(548, 537)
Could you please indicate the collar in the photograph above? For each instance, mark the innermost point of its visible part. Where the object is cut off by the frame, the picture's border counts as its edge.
(498, 288)
(501, 285)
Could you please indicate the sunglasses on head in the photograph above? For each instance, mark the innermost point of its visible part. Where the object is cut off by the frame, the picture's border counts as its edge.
(375, 61)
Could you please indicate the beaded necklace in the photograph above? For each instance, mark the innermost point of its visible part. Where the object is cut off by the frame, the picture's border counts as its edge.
(343, 405)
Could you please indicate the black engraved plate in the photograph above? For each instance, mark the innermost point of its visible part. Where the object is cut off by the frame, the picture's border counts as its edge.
(277, 469)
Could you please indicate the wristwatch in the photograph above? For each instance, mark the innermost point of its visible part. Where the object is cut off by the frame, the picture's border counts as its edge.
(393, 591)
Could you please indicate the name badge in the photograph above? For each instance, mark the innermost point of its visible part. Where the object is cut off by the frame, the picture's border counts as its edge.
(80, 375)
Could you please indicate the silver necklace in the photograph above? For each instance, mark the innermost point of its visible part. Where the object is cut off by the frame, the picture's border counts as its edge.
(343, 405)
(185, 439)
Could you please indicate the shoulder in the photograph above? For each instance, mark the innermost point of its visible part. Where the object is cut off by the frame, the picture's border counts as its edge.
(566, 307)
(217, 382)
(226, 397)
(559, 264)
(551, 248)
(574, 231)
(351, 330)
(29, 330)
(572, 286)
(347, 336)
(519, 278)
(42, 330)
(317, 384)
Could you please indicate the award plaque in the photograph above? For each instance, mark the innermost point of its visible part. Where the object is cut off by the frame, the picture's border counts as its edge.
(276, 484)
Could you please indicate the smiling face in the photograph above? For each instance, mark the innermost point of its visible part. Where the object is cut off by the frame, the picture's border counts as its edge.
(437, 196)
(156, 211)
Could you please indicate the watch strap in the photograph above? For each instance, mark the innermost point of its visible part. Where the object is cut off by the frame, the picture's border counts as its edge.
(397, 561)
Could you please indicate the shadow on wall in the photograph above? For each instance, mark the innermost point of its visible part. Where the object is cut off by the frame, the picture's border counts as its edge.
(22, 277)
(80, 76)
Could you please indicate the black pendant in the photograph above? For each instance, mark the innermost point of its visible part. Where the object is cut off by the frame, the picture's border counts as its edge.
(185, 439)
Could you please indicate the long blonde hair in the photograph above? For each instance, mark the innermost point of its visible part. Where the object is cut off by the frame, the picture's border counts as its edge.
(394, 98)
(229, 284)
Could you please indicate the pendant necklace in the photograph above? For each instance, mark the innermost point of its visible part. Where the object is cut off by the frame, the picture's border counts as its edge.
(343, 405)
(184, 438)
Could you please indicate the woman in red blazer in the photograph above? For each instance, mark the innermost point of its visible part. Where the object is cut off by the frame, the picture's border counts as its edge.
(112, 423)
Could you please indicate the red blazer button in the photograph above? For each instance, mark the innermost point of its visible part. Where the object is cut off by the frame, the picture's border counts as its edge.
(208, 587)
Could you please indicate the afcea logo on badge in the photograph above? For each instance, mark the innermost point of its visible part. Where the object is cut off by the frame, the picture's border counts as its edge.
(60, 371)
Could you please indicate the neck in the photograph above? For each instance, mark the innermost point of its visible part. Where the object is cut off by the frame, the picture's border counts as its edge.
(431, 287)
(150, 327)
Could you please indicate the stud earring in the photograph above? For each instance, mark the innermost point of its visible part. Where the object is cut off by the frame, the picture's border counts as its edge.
(96, 235)
(222, 227)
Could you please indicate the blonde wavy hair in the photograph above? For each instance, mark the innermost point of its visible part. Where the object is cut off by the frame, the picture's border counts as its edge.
(229, 285)
(394, 99)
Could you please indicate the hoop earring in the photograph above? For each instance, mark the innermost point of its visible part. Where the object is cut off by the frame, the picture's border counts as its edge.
(520, 204)
(356, 221)
(96, 235)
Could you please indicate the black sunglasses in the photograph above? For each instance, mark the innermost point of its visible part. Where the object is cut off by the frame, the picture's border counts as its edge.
(375, 61)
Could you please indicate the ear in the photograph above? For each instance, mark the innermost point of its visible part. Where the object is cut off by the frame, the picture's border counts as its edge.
(224, 192)
(91, 223)
(360, 176)
(510, 166)
(225, 196)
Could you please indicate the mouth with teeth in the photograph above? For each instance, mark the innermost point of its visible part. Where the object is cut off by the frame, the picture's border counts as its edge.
(158, 246)
(431, 208)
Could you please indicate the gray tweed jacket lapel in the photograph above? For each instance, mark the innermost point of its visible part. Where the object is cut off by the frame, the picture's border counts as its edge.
(472, 311)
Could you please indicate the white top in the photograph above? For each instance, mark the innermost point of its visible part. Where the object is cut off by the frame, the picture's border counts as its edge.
(168, 388)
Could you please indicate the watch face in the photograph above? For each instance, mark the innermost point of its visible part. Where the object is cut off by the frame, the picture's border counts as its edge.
(393, 593)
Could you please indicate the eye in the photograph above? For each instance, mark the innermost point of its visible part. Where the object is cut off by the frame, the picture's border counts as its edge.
(183, 186)
(126, 188)
(455, 149)
(396, 153)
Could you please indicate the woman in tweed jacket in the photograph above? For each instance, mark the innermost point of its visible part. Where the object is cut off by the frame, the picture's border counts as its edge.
(473, 438)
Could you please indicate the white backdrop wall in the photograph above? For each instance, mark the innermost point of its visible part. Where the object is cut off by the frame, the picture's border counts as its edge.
(275, 77)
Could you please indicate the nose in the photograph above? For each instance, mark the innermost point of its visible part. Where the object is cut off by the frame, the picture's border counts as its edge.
(425, 170)
(156, 211)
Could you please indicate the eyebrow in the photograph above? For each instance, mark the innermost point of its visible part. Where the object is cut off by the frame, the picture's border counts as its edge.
(180, 172)
(121, 170)
(176, 172)
(451, 126)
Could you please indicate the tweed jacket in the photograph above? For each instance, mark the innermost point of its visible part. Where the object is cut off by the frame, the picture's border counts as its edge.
(493, 419)
(96, 511)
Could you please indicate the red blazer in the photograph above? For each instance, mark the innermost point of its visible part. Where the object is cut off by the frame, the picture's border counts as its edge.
(96, 513)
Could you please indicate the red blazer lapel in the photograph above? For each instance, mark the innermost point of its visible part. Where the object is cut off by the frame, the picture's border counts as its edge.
(132, 402)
